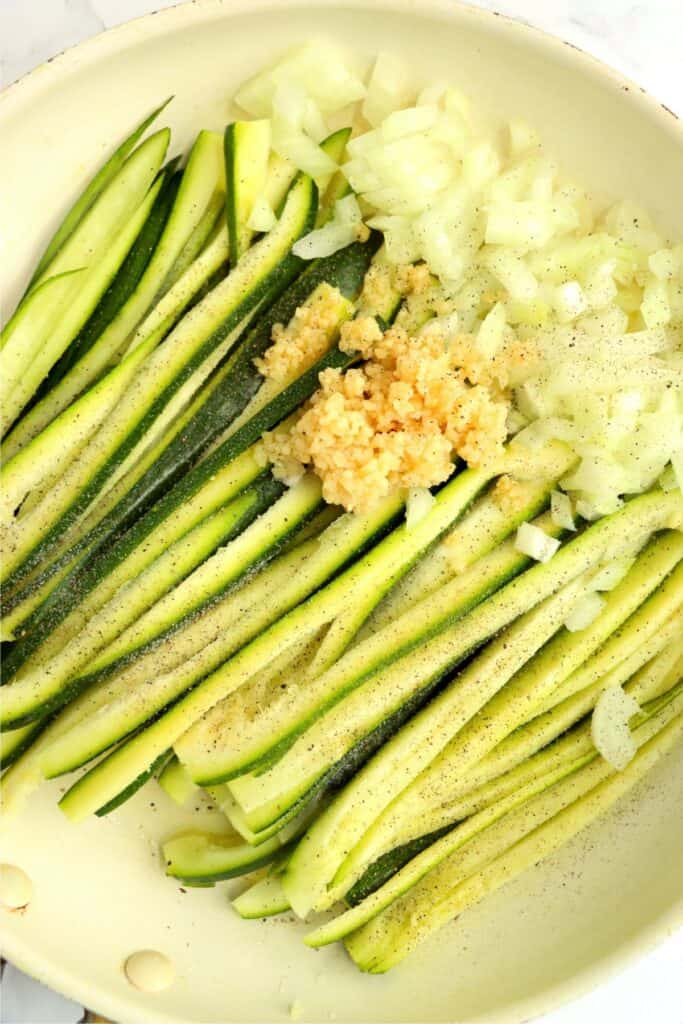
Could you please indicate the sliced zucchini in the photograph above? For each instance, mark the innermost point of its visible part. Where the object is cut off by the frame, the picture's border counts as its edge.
(90, 246)
(210, 857)
(642, 515)
(247, 145)
(515, 843)
(263, 725)
(90, 193)
(128, 560)
(210, 223)
(270, 794)
(359, 588)
(14, 742)
(211, 642)
(215, 321)
(74, 427)
(523, 810)
(423, 805)
(225, 398)
(335, 147)
(35, 688)
(264, 898)
(197, 186)
(321, 852)
(132, 788)
(250, 549)
(124, 283)
(176, 783)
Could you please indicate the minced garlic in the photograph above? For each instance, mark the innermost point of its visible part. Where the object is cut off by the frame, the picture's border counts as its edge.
(306, 337)
(395, 422)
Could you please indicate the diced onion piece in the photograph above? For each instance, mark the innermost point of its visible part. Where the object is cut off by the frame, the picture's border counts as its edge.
(522, 137)
(389, 88)
(568, 301)
(655, 307)
(303, 152)
(513, 274)
(262, 217)
(610, 726)
(561, 510)
(339, 232)
(318, 67)
(584, 612)
(418, 505)
(664, 264)
(533, 541)
(492, 330)
(608, 576)
(521, 224)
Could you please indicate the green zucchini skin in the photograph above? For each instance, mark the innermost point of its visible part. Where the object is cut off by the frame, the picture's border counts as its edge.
(271, 490)
(95, 186)
(135, 785)
(121, 287)
(346, 272)
(267, 490)
(281, 274)
(278, 751)
(15, 753)
(238, 860)
(386, 866)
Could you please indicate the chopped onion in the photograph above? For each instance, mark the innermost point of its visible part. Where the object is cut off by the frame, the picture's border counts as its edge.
(610, 726)
(561, 510)
(262, 217)
(533, 541)
(389, 89)
(664, 264)
(317, 67)
(418, 505)
(522, 137)
(339, 232)
(608, 576)
(584, 612)
(569, 301)
(491, 333)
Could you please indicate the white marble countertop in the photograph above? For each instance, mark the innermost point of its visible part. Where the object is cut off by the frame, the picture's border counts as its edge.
(641, 39)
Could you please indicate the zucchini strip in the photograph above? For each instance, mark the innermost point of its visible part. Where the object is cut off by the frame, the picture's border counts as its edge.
(254, 546)
(336, 832)
(641, 515)
(176, 783)
(264, 898)
(224, 398)
(246, 146)
(224, 627)
(529, 835)
(45, 338)
(212, 323)
(231, 525)
(211, 857)
(422, 805)
(130, 559)
(125, 282)
(74, 427)
(500, 823)
(265, 797)
(197, 186)
(263, 727)
(89, 195)
(654, 682)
